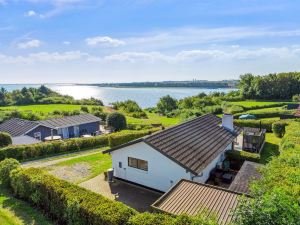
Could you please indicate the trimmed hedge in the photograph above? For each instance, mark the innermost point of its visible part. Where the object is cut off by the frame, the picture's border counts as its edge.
(265, 124)
(267, 113)
(242, 156)
(6, 166)
(67, 203)
(278, 128)
(25, 152)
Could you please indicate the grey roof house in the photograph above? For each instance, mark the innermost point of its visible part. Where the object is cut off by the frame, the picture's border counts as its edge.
(28, 132)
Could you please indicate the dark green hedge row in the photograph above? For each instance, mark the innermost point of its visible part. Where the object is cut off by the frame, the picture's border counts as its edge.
(242, 156)
(67, 203)
(280, 104)
(26, 152)
(265, 124)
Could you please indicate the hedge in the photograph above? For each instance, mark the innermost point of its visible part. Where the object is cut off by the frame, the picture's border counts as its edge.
(265, 124)
(278, 128)
(67, 203)
(267, 113)
(242, 156)
(26, 152)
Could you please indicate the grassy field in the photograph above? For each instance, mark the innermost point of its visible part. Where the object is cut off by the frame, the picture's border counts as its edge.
(255, 103)
(271, 148)
(17, 212)
(94, 164)
(153, 119)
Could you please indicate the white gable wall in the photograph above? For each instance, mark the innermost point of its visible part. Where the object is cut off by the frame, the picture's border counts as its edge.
(162, 172)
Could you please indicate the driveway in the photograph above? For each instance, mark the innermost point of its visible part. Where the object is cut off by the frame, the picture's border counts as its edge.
(132, 195)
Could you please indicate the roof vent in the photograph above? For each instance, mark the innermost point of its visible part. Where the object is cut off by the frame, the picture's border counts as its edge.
(227, 121)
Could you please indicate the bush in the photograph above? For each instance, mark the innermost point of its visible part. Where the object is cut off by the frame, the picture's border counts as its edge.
(6, 166)
(5, 139)
(120, 138)
(67, 203)
(241, 156)
(84, 108)
(264, 124)
(278, 128)
(117, 121)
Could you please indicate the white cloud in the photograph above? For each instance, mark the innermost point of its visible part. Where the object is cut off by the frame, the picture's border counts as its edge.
(31, 13)
(103, 41)
(30, 44)
(66, 42)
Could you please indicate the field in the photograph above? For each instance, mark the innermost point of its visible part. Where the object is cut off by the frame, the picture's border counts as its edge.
(256, 103)
(17, 212)
(153, 119)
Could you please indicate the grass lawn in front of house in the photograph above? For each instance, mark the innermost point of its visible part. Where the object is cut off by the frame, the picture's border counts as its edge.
(270, 149)
(16, 212)
(81, 168)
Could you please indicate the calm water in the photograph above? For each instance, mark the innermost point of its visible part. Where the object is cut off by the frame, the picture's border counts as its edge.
(145, 97)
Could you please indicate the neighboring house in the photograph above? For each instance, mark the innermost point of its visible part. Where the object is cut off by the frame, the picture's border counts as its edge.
(248, 172)
(193, 198)
(189, 150)
(66, 127)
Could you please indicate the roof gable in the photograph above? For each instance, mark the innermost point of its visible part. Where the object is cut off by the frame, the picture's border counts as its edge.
(193, 144)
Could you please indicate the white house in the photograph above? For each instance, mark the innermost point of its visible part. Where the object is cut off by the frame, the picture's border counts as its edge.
(186, 151)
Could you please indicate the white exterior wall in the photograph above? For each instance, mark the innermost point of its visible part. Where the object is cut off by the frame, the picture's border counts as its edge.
(162, 172)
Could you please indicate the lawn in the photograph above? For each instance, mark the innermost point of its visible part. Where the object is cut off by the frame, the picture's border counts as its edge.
(17, 212)
(153, 119)
(256, 103)
(44, 108)
(270, 149)
(81, 168)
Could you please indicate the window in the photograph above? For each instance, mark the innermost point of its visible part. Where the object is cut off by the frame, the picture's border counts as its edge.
(138, 163)
(37, 135)
(120, 164)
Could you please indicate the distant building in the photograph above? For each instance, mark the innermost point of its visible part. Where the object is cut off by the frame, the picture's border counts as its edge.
(28, 132)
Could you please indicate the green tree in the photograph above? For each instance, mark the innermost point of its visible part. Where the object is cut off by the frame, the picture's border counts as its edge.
(5, 139)
(166, 104)
(117, 121)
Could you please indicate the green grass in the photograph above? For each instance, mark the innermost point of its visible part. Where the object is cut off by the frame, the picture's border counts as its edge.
(256, 103)
(98, 163)
(153, 119)
(17, 212)
(270, 149)
(44, 108)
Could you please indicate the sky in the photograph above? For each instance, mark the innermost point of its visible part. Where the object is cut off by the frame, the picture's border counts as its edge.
(95, 41)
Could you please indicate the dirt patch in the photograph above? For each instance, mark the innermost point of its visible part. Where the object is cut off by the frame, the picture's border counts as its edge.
(72, 173)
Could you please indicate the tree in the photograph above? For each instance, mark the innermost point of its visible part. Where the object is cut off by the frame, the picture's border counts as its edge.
(5, 139)
(117, 121)
(167, 104)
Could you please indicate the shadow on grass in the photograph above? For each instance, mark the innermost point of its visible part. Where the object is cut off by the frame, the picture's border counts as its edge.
(22, 210)
(269, 150)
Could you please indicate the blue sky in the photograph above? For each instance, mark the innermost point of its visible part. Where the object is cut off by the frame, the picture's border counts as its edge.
(87, 41)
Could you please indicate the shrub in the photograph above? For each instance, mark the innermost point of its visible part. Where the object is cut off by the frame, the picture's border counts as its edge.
(242, 156)
(117, 121)
(166, 104)
(6, 166)
(278, 128)
(84, 108)
(65, 202)
(119, 138)
(5, 139)
(264, 124)
(296, 98)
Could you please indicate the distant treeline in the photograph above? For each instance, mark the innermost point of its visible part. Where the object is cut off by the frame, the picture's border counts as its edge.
(41, 95)
(271, 87)
(188, 84)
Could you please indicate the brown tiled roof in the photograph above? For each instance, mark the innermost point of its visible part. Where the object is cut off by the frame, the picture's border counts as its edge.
(193, 198)
(17, 127)
(193, 144)
(246, 174)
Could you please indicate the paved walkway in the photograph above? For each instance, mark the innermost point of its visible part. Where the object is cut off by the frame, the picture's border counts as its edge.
(131, 195)
(57, 159)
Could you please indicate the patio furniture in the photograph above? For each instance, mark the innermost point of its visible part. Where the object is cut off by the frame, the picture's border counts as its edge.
(227, 177)
(52, 138)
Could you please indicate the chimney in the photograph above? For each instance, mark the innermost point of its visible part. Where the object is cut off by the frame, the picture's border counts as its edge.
(227, 121)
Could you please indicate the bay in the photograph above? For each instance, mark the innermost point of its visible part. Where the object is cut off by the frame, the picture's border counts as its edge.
(145, 97)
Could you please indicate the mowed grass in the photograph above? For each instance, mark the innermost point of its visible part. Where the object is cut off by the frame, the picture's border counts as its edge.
(16, 212)
(97, 162)
(256, 103)
(153, 119)
(270, 149)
